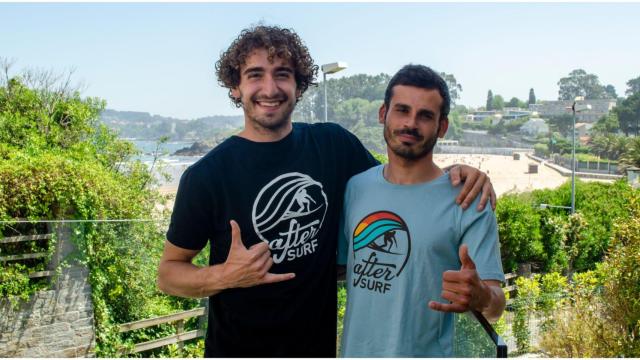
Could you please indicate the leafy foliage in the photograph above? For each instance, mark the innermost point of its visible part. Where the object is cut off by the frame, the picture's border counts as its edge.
(549, 237)
(57, 161)
(580, 83)
(603, 319)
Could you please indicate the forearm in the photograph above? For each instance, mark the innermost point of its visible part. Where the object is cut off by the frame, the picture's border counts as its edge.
(496, 304)
(184, 279)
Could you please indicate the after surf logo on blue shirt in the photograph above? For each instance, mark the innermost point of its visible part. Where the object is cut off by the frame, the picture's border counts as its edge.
(381, 248)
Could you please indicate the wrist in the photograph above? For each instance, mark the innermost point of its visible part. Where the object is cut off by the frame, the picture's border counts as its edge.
(215, 281)
(486, 298)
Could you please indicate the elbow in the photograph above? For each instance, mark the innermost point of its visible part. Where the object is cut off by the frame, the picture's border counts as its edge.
(161, 280)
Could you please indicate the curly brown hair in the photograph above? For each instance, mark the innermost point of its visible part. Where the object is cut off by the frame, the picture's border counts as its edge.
(283, 43)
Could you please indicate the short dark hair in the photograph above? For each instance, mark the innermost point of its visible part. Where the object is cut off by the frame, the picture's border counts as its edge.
(283, 43)
(423, 77)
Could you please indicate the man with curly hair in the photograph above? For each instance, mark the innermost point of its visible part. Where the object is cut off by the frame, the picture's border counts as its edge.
(268, 202)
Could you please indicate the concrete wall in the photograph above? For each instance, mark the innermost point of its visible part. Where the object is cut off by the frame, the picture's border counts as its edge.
(53, 323)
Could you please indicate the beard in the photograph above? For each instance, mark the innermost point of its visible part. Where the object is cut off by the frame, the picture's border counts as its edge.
(418, 151)
(272, 121)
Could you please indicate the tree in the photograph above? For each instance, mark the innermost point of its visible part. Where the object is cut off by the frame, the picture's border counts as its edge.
(579, 83)
(498, 102)
(610, 92)
(629, 114)
(454, 88)
(516, 103)
(631, 157)
(608, 124)
(489, 105)
(561, 123)
(351, 112)
(532, 96)
(633, 86)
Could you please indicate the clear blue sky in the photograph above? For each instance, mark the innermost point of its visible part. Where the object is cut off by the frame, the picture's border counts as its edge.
(160, 58)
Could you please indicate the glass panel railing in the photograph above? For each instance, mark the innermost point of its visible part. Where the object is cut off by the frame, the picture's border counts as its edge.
(475, 337)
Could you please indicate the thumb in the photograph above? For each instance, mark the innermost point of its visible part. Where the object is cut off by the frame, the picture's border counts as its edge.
(236, 238)
(465, 259)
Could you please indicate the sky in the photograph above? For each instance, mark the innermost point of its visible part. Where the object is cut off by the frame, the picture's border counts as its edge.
(159, 57)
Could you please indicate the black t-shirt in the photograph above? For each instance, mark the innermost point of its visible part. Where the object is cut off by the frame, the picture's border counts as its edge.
(288, 193)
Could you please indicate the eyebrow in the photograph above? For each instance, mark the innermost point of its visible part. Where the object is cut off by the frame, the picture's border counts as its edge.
(261, 69)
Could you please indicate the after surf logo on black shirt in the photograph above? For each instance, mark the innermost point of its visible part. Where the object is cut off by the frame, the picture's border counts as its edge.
(288, 214)
(381, 247)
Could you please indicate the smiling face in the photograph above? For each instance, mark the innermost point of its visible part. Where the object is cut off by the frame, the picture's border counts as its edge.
(267, 90)
(412, 123)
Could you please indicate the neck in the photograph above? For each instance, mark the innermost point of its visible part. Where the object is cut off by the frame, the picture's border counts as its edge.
(403, 171)
(258, 133)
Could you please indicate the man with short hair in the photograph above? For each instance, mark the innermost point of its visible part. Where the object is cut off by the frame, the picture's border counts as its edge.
(268, 202)
(413, 256)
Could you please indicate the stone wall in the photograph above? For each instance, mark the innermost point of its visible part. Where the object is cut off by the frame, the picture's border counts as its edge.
(53, 323)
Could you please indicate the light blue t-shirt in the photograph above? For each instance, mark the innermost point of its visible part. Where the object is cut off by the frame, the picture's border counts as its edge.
(396, 241)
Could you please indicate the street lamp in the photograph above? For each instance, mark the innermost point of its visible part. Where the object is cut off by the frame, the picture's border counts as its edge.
(575, 110)
(330, 69)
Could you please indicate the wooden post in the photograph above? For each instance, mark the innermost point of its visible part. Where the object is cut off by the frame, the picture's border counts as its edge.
(179, 331)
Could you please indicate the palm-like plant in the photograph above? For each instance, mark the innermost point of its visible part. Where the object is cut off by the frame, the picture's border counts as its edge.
(631, 157)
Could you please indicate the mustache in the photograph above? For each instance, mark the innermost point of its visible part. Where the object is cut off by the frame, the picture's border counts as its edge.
(279, 97)
(411, 132)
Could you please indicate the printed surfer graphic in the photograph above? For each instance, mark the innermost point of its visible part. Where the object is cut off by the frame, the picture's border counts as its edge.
(381, 249)
(288, 214)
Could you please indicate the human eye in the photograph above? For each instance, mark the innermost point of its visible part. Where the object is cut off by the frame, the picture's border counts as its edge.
(283, 74)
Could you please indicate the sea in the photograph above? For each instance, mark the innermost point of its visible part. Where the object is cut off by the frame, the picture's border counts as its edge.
(167, 163)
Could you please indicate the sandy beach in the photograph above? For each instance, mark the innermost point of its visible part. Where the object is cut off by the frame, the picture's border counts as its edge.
(507, 175)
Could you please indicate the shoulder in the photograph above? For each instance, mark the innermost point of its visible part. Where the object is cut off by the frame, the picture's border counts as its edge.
(204, 167)
(327, 129)
(366, 177)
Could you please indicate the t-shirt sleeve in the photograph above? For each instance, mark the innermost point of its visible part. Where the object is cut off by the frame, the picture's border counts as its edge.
(359, 158)
(480, 232)
(343, 231)
(188, 227)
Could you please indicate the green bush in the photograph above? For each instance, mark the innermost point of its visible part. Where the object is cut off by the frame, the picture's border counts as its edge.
(541, 150)
(519, 231)
(552, 239)
(57, 162)
(603, 318)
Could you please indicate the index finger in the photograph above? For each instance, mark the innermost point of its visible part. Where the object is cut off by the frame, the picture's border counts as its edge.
(434, 305)
(469, 181)
(274, 278)
(475, 190)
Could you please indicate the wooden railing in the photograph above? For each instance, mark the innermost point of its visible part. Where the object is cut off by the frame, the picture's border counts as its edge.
(27, 256)
(179, 338)
(510, 287)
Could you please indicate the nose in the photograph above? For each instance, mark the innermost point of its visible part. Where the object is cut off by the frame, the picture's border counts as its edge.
(410, 121)
(270, 87)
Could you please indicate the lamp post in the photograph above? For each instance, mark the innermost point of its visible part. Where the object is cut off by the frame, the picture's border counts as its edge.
(330, 69)
(573, 150)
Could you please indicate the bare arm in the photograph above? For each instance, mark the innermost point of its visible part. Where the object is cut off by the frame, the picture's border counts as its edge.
(178, 276)
(243, 268)
(496, 301)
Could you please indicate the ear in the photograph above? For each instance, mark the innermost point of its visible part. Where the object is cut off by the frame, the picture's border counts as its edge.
(444, 126)
(235, 92)
(381, 113)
